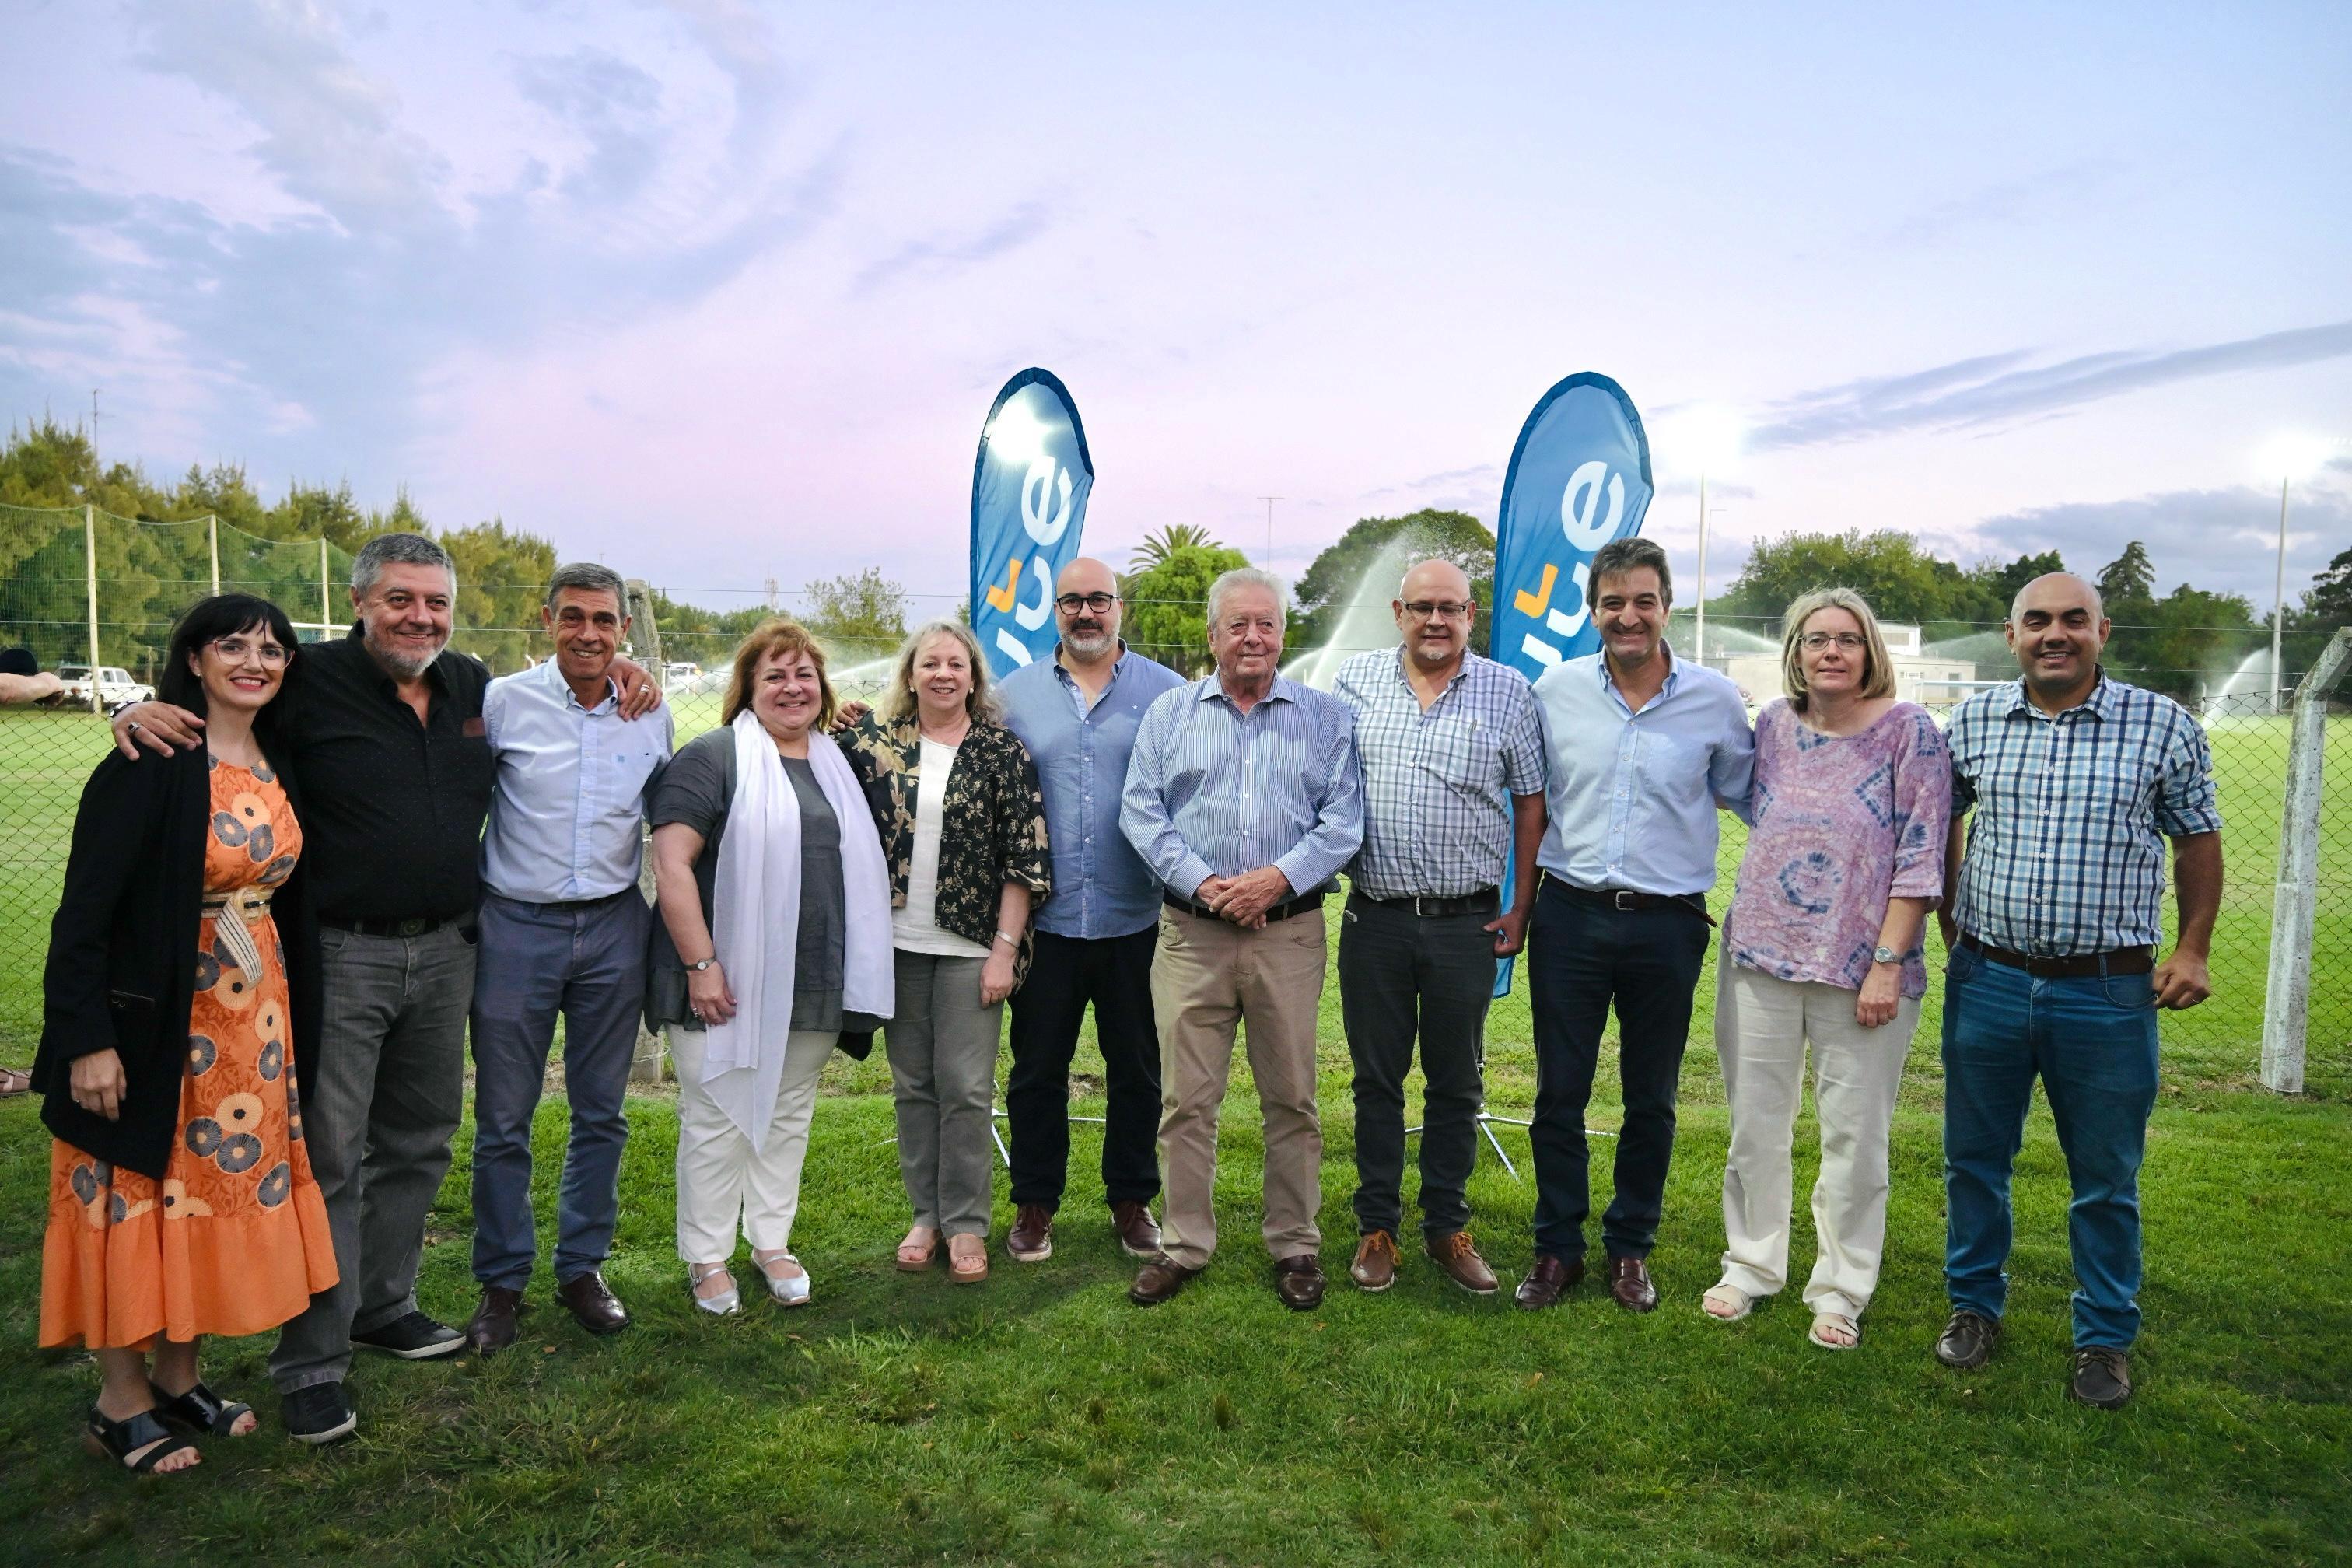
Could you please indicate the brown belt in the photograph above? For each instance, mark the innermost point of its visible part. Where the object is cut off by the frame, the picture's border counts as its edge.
(2122, 961)
(1297, 906)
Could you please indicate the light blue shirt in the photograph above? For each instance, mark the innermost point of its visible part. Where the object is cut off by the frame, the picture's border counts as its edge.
(1632, 796)
(1215, 792)
(1101, 886)
(571, 791)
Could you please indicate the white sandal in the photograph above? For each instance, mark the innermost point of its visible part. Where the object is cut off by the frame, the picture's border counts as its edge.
(1739, 1301)
(718, 1306)
(788, 1292)
(1834, 1320)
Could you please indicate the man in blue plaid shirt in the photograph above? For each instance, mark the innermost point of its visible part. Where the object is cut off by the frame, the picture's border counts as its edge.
(2052, 916)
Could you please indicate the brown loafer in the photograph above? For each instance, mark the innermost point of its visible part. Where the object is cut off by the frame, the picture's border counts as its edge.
(1458, 1256)
(1549, 1280)
(592, 1303)
(1376, 1262)
(1299, 1281)
(492, 1326)
(1030, 1239)
(1629, 1286)
(1159, 1280)
(2102, 1376)
(1138, 1232)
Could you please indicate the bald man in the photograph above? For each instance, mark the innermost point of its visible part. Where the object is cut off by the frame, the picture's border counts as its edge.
(1454, 779)
(1078, 714)
(2053, 915)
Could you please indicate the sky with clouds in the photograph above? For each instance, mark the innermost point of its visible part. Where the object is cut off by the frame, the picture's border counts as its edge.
(717, 292)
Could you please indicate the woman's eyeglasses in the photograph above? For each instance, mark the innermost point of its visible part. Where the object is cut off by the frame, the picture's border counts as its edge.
(1847, 642)
(236, 651)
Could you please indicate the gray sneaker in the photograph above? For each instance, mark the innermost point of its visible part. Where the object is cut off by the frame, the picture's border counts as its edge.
(2102, 1376)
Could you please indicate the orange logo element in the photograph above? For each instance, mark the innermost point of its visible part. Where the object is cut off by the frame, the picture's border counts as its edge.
(1529, 603)
(1000, 599)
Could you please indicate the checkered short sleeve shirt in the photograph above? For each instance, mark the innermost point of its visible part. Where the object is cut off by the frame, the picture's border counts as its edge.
(1438, 784)
(2065, 852)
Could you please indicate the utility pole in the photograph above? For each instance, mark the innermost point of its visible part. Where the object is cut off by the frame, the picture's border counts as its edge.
(94, 421)
(1268, 562)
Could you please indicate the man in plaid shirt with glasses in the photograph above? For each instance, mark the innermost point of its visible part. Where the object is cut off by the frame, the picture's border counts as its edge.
(2052, 917)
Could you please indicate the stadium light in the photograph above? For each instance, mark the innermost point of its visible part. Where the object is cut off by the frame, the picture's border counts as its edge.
(2288, 457)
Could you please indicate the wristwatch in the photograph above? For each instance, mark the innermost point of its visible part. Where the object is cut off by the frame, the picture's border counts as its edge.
(701, 964)
(1883, 953)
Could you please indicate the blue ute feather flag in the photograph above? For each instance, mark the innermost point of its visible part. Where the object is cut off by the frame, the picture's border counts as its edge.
(1029, 488)
(1579, 478)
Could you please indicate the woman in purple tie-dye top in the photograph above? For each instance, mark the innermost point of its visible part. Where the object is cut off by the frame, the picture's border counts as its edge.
(1852, 797)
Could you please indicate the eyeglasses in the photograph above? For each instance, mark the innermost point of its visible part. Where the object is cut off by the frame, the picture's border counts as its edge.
(1452, 609)
(236, 649)
(1071, 604)
(1847, 642)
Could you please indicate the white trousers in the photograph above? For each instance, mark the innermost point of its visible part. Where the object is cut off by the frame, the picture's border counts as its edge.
(1761, 1028)
(722, 1183)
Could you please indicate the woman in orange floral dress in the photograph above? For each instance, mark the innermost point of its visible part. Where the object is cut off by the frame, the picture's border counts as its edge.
(180, 995)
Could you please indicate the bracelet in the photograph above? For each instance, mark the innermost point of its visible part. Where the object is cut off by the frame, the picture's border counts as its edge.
(1009, 939)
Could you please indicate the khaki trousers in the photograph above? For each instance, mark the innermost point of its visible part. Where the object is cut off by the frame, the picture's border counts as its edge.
(1207, 976)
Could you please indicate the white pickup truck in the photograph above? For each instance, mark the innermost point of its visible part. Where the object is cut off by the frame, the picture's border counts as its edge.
(115, 685)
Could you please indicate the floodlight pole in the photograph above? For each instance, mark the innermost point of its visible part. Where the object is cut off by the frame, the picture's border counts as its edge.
(1268, 561)
(2286, 999)
(2278, 606)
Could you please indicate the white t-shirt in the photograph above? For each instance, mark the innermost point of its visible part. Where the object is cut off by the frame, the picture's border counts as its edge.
(914, 929)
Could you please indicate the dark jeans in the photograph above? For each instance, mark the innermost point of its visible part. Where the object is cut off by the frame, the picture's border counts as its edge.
(587, 962)
(1065, 973)
(2092, 1043)
(1400, 973)
(1582, 957)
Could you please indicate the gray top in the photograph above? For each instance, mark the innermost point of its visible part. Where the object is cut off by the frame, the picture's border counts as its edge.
(696, 790)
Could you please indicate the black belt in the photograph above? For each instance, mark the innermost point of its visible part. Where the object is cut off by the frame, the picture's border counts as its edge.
(419, 926)
(560, 905)
(1297, 906)
(2082, 966)
(1625, 900)
(1429, 906)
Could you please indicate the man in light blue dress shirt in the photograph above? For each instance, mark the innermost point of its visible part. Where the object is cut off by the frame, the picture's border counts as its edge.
(1077, 713)
(1244, 798)
(563, 929)
(1642, 749)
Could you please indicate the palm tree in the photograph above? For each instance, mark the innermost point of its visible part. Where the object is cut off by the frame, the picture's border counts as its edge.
(1172, 537)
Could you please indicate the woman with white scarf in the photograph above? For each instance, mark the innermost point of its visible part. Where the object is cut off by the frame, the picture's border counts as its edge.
(774, 938)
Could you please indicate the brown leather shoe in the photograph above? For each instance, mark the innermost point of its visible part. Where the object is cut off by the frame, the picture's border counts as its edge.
(2101, 1377)
(1459, 1257)
(1967, 1341)
(1376, 1262)
(1159, 1280)
(1138, 1232)
(1299, 1281)
(492, 1326)
(592, 1303)
(1030, 1239)
(1549, 1280)
(1629, 1283)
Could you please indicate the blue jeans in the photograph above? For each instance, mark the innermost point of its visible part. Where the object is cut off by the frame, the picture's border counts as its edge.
(2093, 1042)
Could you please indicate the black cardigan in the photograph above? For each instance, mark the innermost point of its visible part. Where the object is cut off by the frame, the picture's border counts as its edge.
(123, 952)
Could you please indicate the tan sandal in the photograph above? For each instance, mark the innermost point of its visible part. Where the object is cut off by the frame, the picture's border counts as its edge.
(1836, 1322)
(15, 1081)
(1726, 1295)
(914, 1255)
(967, 1268)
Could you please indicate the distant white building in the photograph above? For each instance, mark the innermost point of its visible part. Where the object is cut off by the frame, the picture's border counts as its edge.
(1931, 680)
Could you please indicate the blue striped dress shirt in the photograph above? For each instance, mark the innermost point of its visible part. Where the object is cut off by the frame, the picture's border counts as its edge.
(1215, 792)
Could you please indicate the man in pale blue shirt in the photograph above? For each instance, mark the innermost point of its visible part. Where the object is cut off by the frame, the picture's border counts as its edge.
(1641, 750)
(563, 929)
(1077, 713)
(1244, 798)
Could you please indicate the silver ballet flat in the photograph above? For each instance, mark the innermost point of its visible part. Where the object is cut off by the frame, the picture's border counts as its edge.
(792, 1292)
(719, 1306)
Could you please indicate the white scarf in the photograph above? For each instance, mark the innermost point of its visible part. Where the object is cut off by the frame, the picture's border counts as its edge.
(756, 916)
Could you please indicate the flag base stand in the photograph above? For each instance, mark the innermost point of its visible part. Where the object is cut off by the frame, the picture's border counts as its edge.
(1487, 1125)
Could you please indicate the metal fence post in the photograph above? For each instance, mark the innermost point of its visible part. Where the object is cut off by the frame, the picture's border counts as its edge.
(212, 533)
(645, 640)
(2286, 1000)
(326, 610)
(89, 563)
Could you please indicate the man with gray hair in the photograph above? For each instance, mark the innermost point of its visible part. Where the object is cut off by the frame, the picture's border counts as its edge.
(1243, 798)
(564, 929)
(396, 772)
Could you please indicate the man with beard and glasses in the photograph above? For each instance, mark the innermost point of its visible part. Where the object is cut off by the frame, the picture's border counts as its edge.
(1077, 712)
(396, 772)
(2052, 916)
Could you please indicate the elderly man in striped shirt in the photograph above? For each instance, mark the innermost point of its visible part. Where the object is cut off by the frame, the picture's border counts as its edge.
(1454, 777)
(2052, 917)
(1243, 798)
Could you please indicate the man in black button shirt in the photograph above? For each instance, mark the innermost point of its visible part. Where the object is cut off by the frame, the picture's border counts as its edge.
(396, 775)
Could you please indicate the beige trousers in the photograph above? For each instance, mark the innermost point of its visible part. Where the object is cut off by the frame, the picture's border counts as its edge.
(1761, 1028)
(721, 1183)
(1207, 977)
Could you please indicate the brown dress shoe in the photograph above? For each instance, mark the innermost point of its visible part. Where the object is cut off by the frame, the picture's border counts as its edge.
(1459, 1257)
(1159, 1280)
(1629, 1283)
(492, 1326)
(1030, 1239)
(1376, 1262)
(1967, 1341)
(1299, 1281)
(2102, 1376)
(1138, 1232)
(592, 1303)
(1549, 1280)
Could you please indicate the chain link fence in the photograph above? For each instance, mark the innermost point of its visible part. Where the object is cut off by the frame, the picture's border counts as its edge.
(83, 589)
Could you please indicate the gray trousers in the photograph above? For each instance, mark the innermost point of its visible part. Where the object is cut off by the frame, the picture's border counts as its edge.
(586, 961)
(942, 1047)
(378, 1108)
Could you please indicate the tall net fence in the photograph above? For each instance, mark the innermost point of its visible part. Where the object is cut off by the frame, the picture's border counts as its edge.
(147, 573)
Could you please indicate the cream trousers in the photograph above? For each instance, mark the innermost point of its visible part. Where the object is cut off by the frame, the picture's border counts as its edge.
(722, 1183)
